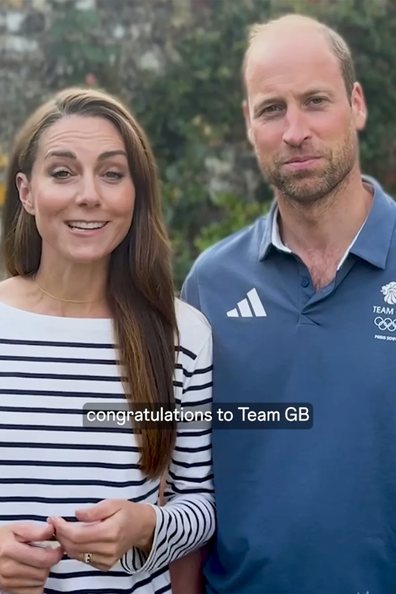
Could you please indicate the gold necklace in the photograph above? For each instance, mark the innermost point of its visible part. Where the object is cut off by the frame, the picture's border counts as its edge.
(66, 300)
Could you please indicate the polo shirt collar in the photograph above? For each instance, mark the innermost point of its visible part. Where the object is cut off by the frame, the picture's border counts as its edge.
(372, 242)
(270, 233)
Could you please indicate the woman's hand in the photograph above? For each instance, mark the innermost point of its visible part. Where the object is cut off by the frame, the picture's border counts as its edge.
(106, 531)
(24, 569)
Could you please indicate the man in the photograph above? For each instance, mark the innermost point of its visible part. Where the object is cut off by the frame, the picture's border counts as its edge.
(302, 306)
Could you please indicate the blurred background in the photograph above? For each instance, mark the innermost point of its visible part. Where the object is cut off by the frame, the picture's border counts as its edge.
(176, 63)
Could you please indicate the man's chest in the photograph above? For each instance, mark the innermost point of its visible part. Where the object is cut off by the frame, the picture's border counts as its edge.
(286, 341)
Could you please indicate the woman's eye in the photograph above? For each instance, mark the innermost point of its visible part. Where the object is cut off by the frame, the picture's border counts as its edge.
(114, 175)
(60, 174)
(65, 174)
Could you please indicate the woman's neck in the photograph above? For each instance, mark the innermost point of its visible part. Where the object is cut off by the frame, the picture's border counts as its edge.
(75, 290)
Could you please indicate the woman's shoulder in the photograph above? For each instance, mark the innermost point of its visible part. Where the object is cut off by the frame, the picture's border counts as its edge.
(194, 329)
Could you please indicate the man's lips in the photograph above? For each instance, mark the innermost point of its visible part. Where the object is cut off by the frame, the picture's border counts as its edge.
(302, 159)
(302, 163)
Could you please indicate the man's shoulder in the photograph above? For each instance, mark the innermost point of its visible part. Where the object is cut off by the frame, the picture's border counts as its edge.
(380, 191)
(390, 200)
(236, 247)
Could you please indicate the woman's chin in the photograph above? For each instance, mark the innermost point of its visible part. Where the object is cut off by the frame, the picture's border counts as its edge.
(85, 257)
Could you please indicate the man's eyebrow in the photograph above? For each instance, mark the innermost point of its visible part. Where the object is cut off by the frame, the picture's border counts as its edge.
(70, 155)
(318, 91)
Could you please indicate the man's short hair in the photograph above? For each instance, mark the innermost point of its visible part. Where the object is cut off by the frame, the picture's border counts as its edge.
(337, 44)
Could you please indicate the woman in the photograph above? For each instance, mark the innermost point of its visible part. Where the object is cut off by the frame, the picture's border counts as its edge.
(88, 322)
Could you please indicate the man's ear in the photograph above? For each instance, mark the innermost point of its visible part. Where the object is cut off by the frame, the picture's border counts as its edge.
(359, 106)
(248, 124)
(25, 193)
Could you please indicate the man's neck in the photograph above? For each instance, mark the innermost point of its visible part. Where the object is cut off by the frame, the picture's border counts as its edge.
(321, 233)
(331, 223)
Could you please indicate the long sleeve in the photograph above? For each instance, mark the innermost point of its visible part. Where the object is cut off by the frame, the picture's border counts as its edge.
(186, 521)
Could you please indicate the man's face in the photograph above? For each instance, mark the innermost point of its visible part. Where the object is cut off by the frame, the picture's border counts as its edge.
(300, 120)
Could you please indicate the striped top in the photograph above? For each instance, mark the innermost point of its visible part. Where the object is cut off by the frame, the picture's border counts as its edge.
(52, 464)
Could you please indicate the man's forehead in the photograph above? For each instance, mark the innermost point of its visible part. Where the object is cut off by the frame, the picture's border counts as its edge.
(277, 46)
(290, 57)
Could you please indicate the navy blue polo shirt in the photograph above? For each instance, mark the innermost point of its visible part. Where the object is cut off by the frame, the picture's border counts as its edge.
(307, 511)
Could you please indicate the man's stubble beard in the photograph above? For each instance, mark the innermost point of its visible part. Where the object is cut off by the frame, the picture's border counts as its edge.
(312, 186)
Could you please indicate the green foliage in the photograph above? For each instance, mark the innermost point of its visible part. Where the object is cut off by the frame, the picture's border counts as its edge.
(369, 27)
(74, 48)
(240, 214)
(192, 112)
(196, 110)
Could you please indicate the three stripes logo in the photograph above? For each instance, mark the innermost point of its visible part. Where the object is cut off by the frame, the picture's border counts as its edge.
(249, 307)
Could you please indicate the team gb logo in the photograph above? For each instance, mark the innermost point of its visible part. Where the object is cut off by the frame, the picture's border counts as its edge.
(389, 292)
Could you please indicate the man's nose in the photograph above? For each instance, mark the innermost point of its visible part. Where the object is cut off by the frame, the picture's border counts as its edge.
(296, 128)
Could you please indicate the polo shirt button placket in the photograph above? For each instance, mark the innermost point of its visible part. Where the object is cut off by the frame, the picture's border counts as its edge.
(306, 295)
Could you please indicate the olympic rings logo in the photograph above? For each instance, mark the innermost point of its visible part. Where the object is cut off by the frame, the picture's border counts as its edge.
(385, 324)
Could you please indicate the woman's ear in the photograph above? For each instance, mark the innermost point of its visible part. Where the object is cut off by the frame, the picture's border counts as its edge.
(25, 193)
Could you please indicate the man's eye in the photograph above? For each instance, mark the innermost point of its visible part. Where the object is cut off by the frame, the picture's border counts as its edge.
(271, 108)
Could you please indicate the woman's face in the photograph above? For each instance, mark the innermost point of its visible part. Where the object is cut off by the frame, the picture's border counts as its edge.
(80, 191)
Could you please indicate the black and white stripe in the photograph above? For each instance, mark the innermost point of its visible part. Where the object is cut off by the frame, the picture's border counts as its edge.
(51, 465)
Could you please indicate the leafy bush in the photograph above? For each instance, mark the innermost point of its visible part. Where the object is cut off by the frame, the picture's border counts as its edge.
(197, 110)
(193, 112)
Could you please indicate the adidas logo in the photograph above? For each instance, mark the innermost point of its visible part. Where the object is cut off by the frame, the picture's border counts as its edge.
(249, 307)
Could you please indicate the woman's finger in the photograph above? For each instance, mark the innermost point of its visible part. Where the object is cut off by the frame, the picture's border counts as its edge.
(77, 551)
(82, 534)
(103, 562)
(17, 576)
(17, 584)
(34, 557)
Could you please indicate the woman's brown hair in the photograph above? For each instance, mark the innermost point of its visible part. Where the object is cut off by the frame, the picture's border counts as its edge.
(140, 288)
